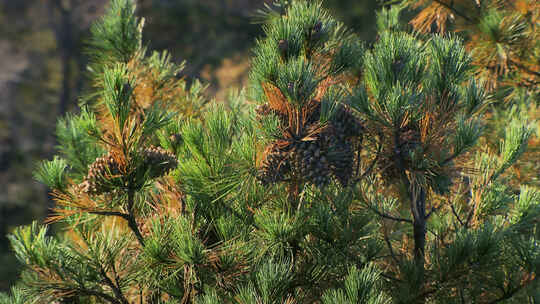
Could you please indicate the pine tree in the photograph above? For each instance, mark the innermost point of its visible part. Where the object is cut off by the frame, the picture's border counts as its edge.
(502, 38)
(430, 118)
(357, 178)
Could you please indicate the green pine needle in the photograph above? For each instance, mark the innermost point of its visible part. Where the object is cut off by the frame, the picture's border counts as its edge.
(52, 173)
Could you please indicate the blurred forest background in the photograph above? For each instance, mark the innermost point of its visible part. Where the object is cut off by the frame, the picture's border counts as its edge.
(43, 74)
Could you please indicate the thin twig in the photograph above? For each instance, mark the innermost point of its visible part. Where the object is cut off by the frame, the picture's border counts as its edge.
(433, 210)
(111, 213)
(116, 277)
(436, 235)
(470, 216)
(129, 217)
(357, 169)
(387, 216)
(390, 277)
(455, 214)
(450, 158)
(115, 289)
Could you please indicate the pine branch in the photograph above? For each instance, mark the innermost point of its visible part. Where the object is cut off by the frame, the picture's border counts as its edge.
(111, 213)
(114, 288)
(387, 216)
(371, 166)
(129, 217)
(456, 215)
(116, 278)
(461, 296)
(450, 158)
(418, 203)
(132, 223)
(417, 206)
(470, 216)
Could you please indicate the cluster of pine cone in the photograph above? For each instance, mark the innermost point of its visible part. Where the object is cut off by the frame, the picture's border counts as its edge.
(327, 155)
(103, 170)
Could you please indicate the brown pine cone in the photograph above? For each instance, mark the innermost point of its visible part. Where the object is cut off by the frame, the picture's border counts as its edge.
(158, 161)
(99, 173)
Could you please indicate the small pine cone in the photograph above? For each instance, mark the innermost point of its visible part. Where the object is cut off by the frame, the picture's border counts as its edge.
(409, 141)
(85, 186)
(312, 165)
(313, 118)
(95, 188)
(342, 167)
(99, 173)
(296, 157)
(103, 167)
(409, 137)
(159, 161)
(275, 167)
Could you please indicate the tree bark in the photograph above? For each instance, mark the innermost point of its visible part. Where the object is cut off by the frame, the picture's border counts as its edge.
(416, 195)
(132, 222)
(418, 209)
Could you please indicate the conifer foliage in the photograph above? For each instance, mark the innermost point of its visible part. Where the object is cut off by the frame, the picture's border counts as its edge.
(502, 35)
(301, 66)
(502, 38)
(417, 96)
(356, 179)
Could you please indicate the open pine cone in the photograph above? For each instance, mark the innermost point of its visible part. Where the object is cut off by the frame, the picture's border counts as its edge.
(99, 173)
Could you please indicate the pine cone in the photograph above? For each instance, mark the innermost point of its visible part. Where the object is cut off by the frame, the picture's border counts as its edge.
(311, 163)
(99, 173)
(343, 162)
(275, 166)
(158, 161)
